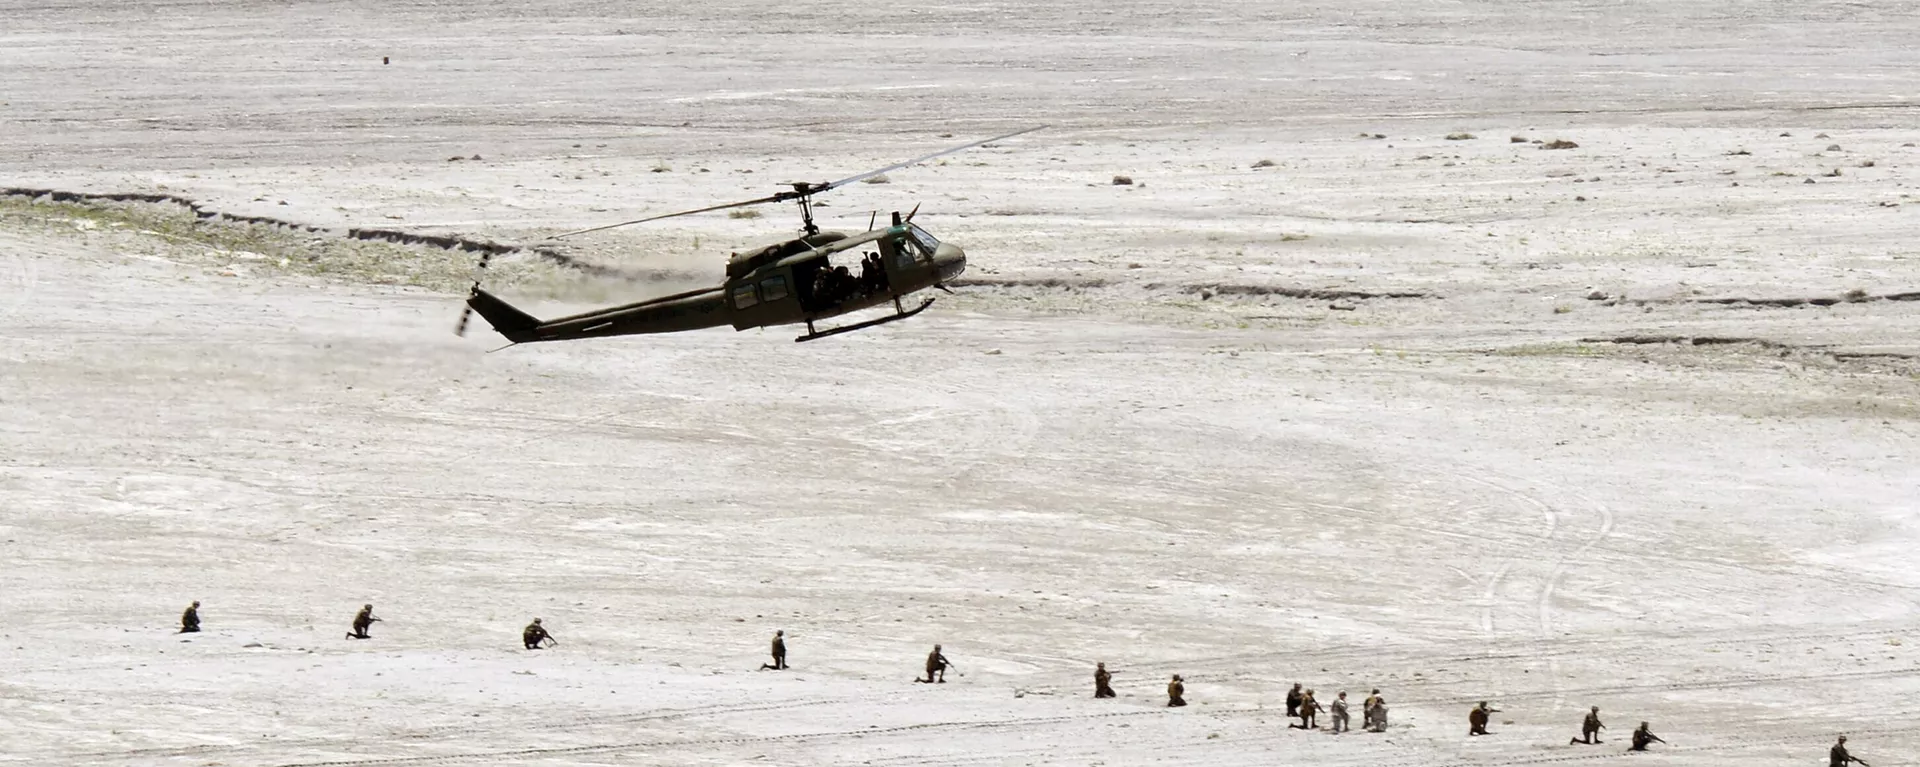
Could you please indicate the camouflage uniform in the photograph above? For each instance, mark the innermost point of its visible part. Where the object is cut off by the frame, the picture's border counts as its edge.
(1308, 710)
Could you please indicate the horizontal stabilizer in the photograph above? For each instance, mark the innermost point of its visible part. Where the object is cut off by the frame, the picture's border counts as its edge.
(516, 325)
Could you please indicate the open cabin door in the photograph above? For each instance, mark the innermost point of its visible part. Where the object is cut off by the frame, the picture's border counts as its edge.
(765, 297)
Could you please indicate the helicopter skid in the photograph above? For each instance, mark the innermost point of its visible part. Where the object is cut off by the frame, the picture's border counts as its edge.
(899, 314)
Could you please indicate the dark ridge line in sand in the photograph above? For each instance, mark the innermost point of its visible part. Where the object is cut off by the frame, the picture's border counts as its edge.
(1694, 340)
(1641, 340)
(1204, 289)
(1319, 294)
(447, 242)
(1029, 282)
(1820, 301)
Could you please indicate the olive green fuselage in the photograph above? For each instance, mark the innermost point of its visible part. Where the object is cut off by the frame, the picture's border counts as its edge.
(811, 278)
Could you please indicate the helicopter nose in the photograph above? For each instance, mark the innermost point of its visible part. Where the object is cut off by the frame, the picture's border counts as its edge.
(949, 261)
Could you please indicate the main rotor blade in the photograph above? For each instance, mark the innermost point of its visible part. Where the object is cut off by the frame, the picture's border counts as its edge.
(918, 160)
(770, 198)
(800, 190)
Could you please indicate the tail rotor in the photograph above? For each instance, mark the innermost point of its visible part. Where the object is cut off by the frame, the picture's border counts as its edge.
(467, 313)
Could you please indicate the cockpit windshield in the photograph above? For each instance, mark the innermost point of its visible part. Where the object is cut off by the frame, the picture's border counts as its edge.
(922, 241)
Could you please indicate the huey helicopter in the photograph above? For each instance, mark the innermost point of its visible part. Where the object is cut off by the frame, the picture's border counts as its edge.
(788, 282)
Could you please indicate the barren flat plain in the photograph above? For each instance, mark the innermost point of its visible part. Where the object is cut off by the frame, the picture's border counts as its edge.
(1549, 353)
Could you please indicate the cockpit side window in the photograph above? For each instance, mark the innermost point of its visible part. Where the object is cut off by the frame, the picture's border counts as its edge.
(921, 238)
(914, 249)
(773, 288)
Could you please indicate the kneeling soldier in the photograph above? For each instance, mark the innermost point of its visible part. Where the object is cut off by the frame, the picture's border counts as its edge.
(535, 635)
(1644, 737)
(1589, 729)
(362, 621)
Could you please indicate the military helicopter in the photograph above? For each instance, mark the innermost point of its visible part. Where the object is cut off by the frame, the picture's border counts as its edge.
(796, 281)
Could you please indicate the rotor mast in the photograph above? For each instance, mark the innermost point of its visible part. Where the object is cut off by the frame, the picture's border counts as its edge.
(803, 194)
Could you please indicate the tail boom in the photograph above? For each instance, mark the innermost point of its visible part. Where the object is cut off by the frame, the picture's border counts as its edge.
(692, 310)
(518, 326)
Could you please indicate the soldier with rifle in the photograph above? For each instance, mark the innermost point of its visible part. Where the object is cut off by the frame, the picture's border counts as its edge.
(1373, 712)
(1176, 692)
(936, 667)
(1309, 711)
(1102, 681)
(534, 635)
(1644, 737)
(190, 620)
(362, 621)
(1477, 718)
(1839, 757)
(1589, 729)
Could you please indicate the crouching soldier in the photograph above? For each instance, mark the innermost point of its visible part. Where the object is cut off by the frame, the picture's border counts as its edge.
(190, 620)
(1339, 710)
(1309, 711)
(1589, 729)
(362, 621)
(1644, 737)
(1102, 682)
(1176, 693)
(536, 635)
(936, 667)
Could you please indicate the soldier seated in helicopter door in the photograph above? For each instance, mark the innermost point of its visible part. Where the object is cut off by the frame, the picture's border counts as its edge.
(873, 278)
(831, 285)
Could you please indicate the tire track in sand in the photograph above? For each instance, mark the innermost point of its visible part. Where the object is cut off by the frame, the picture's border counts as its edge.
(1544, 602)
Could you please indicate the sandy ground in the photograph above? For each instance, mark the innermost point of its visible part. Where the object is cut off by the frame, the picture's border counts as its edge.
(1118, 444)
